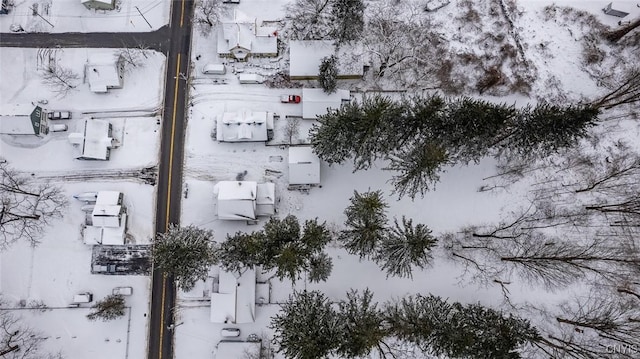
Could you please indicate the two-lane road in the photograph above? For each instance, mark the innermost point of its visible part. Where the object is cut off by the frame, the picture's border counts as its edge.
(170, 173)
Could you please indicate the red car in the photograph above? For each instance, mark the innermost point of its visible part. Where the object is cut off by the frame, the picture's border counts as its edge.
(290, 99)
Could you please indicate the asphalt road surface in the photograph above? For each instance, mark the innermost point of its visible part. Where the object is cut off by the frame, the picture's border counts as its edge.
(156, 40)
(163, 290)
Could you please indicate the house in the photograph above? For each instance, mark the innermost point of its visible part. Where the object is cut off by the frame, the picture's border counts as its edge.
(305, 57)
(104, 71)
(236, 349)
(99, 4)
(233, 298)
(316, 102)
(304, 166)
(108, 221)
(245, 126)
(242, 36)
(245, 200)
(95, 142)
(618, 9)
(24, 120)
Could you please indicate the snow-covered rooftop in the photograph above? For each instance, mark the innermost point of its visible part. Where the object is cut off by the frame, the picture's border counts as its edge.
(316, 102)
(304, 166)
(306, 55)
(95, 142)
(266, 199)
(104, 70)
(241, 36)
(244, 125)
(235, 300)
(235, 349)
(237, 200)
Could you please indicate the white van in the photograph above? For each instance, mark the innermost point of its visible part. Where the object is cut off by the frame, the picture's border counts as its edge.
(230, 332)
(83, 298)
(58, 128)
(214, 69)
(250, 78)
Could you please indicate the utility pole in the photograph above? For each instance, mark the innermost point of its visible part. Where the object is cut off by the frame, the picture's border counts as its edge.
(35, 12)
(145, 19)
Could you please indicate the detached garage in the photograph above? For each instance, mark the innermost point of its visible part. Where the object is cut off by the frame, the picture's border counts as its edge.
(304, 166)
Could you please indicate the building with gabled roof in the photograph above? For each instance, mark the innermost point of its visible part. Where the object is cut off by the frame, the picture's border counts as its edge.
(244, 126)
(316, 102)
(99, 4)
(233, 298)
(245, 200)
(104, 71)
(95, 142)
(242, 36)
(304, 166)
(108, 221)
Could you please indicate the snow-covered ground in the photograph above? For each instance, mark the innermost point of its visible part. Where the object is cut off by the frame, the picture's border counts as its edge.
(60, 266)
(58, 16)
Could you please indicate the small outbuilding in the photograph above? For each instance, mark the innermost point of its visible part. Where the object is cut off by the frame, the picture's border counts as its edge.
(233, 298)
(316, 102)
(245, 200)
(236, 349)
(94, 142)
(99, 4)
(304, 166)
(618, 8)
(104, 71)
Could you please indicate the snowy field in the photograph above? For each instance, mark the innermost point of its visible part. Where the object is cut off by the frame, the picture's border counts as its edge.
(58, 16)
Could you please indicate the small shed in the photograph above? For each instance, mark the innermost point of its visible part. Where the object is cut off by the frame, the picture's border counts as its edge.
(104, 71)
(316, 102)
(266, 199)
(237, 349)
(99, 4)
(304, 166)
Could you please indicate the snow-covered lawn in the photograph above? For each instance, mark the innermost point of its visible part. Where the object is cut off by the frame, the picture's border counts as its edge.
(71, 16)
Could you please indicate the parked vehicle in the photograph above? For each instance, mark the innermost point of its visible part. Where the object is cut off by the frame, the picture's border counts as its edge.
(231, 1)
(122, 291)
(86, 297)
(290, 99)
(250, 78)
(58, 128)
(87, 197)
(230, 332)
(214, 69)
(59, 115)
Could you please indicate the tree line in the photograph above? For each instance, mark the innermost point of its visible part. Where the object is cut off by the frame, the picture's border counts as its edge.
(418, 136)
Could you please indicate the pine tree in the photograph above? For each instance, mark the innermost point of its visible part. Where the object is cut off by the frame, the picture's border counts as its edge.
(349, 19)
(457, 330)
(405, 247)
(328, 74)
(111, 307)
(363, 325)
(241, 251)
(332, 136)
(417, 168)
(186, 253)
(307, 327)
(320, 266)
(365, 224)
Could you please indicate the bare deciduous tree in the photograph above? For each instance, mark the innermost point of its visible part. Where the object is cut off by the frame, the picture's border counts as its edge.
(60, 79)
(208, 14)
(309, 19)
(26, 208)
(19, 341)
(626, 92)
(292, 129)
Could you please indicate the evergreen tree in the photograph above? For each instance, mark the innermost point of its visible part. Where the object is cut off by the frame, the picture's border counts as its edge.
(417, 168)
(328, 74)
(457, 330)
(363, 325)
(541, 130)
(348, 19)
(241, 251)
(320, 266)
(332, 135)
(307, 327)
(111, 307)
(365, 224)
(186, 253)
(404, 247)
